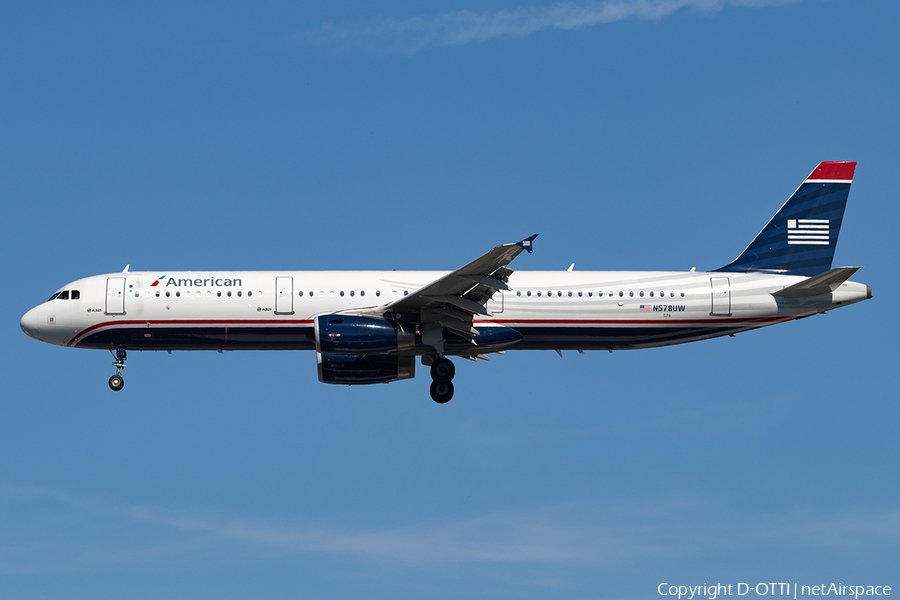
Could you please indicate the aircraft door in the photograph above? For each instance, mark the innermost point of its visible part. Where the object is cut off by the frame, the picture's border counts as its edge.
(284, 295)
(115, 296)
(721, 296)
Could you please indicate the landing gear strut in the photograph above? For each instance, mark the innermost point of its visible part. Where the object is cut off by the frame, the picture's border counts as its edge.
(442, 372)
(117, 382)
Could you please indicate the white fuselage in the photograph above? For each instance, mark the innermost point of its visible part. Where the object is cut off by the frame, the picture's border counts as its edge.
(259, 310)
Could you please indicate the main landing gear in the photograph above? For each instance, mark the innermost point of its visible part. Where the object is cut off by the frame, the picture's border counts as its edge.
(116, 382)
(442, 372)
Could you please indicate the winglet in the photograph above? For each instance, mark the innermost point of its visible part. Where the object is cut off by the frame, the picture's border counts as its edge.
(526, 243)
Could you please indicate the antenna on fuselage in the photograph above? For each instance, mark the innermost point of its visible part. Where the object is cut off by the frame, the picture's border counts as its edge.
(125, 270)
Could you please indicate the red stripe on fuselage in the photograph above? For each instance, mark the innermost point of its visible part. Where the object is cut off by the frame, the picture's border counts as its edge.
(635, 321)
(657, 322)
(193, 322)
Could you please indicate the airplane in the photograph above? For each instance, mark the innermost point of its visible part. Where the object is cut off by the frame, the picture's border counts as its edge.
(369, 327)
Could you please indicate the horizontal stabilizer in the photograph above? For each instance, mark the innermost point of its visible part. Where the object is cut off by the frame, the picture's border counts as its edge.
(824, 283)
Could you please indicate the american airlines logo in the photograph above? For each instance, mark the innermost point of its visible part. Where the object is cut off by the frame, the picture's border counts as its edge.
(810, 232)
(207, 282)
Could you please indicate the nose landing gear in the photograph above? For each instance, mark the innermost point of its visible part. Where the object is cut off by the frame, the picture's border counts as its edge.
(442, 372)
(117, 382)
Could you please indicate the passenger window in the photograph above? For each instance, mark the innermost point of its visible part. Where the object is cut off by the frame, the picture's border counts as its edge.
(218, 294)
(300, 293)
(167, 294)
(76, 295)
(642, 294)
(249, 294)
(228, 293)
(362, 292)
(137, 294)
(559, 294)
(209, 293)
(651, 293)
(539, 294)
(64, 295)
(331, 293)
(178, 294)
(590, 294)
(352, 293)
(682, 294)
(239, 293)
(631, 294)
(579, 294)
(570, 294)
(342, 293)
(406, 292)
(311, 294)
(147, 294)
(673, 294)
(321, 293)
(621, 294)
(519, 293)
(157, 293)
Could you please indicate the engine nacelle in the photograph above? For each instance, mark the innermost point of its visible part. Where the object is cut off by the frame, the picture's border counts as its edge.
(360, 370)
(358, 336)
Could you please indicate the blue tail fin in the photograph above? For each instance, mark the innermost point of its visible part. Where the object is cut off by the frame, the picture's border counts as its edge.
(801, 237)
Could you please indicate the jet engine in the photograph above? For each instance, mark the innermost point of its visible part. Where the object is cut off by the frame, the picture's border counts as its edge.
(359, 370)
(359, 336)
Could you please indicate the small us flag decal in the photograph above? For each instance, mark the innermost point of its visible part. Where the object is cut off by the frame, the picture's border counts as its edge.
(811, 232)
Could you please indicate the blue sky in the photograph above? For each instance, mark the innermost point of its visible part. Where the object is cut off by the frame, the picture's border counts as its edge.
(655, 135)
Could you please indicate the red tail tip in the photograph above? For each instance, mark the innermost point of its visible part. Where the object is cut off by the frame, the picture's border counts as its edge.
(834, 170)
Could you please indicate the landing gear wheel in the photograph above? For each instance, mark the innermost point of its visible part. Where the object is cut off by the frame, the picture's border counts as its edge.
(441, 392)
(443, 370)
(116, 383)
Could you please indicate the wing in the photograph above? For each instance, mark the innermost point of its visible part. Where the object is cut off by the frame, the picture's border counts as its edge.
(454, 299)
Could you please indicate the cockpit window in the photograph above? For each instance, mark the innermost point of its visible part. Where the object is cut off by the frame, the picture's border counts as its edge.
(64, 295)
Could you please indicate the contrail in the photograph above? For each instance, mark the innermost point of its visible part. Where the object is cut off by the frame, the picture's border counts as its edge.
(463, 27)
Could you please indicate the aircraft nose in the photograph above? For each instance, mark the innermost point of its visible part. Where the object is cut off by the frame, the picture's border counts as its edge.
(29, 323)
